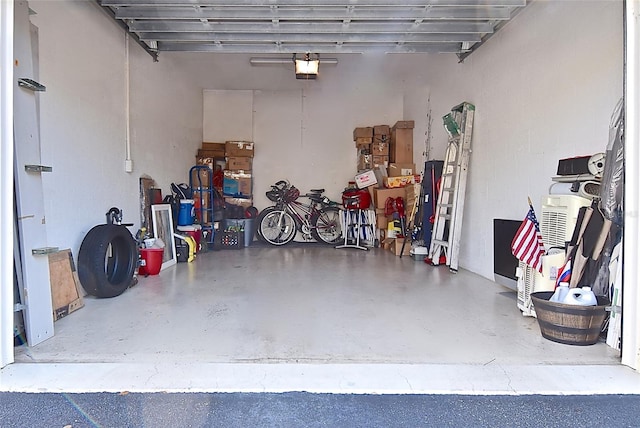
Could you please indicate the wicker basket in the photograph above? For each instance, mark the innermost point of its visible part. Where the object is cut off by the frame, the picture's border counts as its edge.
(569, 324)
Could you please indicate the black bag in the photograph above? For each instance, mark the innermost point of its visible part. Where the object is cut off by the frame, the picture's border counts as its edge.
(175, 208)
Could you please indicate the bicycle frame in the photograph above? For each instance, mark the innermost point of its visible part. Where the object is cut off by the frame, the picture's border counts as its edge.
(302, 213)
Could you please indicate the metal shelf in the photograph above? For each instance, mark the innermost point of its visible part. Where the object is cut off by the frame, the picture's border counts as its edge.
(31, 84)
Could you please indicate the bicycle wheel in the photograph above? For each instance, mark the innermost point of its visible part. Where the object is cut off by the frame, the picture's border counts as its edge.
(277, 227)
(326, 225)
(258, 220)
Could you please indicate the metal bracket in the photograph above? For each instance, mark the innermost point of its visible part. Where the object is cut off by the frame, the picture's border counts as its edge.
(31, 85)
(38, 168)
(19, 307)
(44, 251)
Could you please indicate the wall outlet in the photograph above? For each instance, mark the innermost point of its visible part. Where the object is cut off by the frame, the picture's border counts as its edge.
(128, 165)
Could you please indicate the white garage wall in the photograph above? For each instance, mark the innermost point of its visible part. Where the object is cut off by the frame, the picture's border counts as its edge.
(303, 130)
(83, 121)
(544, 88)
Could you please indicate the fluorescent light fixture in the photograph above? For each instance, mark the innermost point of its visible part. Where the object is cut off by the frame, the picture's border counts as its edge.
(307, 66)
(258, 61)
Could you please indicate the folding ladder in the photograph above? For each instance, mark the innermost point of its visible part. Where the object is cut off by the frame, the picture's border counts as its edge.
(447, 228)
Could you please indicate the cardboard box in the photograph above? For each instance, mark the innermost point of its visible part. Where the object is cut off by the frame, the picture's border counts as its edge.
(400, 169)
(243, 202)
(365, 179)
(381, 130)
(363, 143)
(401, 148)
(239, 149)
(380, 149)
(201, 178)
(212, 150)
(366, 132)
(237, 183)
(239, 163)
(66, 293)
(213, 146)
(404, 124)
(380, 195)
(382, 221)
(385, 138)
(364, 161)
(397, 247)
(387, 243)
(401, 181)
(380, 161)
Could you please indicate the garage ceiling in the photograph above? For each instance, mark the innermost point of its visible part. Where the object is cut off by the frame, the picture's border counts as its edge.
(323, 27)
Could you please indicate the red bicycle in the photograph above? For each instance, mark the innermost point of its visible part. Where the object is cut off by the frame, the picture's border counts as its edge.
(317, 219)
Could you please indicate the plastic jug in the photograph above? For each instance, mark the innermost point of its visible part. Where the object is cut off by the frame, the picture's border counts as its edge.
(581, 296)
(561, 292)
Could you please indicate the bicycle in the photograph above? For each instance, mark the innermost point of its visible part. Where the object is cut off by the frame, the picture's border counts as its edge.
(317, 220)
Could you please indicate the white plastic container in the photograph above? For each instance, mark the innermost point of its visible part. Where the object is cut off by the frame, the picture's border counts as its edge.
(561, 292)
(419, 253)
(581, 296)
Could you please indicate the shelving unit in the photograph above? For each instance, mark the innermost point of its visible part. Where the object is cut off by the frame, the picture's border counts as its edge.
(201, 183)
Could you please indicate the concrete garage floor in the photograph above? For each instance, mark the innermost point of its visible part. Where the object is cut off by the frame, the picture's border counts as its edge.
(313, 318)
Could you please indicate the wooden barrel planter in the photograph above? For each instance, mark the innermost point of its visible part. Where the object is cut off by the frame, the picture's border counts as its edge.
(569, 324)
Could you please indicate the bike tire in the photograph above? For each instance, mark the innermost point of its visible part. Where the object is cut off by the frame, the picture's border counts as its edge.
(263, 213)
(277, 227)
(326, 226)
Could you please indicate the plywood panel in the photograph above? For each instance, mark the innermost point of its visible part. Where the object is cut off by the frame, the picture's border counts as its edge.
(66, 296)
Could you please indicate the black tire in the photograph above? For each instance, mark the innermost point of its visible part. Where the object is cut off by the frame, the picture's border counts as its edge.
(107, 260)
(277, 227)
(326, 226)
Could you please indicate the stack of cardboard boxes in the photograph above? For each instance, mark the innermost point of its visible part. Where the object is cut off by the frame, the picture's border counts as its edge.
(237, 185)
(386, 168)
(230, 166)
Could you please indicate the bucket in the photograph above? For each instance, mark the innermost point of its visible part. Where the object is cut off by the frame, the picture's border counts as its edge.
(186, 213)
(152, 261)
(569, 324)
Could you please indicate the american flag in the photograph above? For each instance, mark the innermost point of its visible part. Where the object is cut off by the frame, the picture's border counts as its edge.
(527, 243)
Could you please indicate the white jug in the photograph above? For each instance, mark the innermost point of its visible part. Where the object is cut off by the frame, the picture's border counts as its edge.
(581, 296)
(561, 292)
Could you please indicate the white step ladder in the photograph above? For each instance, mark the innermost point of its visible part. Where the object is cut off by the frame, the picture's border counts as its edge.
(450, 207)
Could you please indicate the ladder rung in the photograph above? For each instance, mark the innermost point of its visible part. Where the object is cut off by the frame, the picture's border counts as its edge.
(445, 216)
(440, 242)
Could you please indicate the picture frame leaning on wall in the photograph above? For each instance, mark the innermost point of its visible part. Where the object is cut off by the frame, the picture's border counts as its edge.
(162, 218)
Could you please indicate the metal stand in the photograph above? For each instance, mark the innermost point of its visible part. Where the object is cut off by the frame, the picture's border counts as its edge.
(357, 225)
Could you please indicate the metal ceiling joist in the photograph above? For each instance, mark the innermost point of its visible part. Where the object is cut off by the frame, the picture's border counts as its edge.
(322, 3)
(309, 38)
(134, 36)
(315, 27)
(330, 49)
(314, 14)
(323, 26)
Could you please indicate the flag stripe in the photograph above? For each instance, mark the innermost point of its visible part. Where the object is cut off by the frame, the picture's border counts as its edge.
(527, 244)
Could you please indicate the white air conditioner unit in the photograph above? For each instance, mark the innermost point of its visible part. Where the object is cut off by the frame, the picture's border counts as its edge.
(558, 219)
(531, 281)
